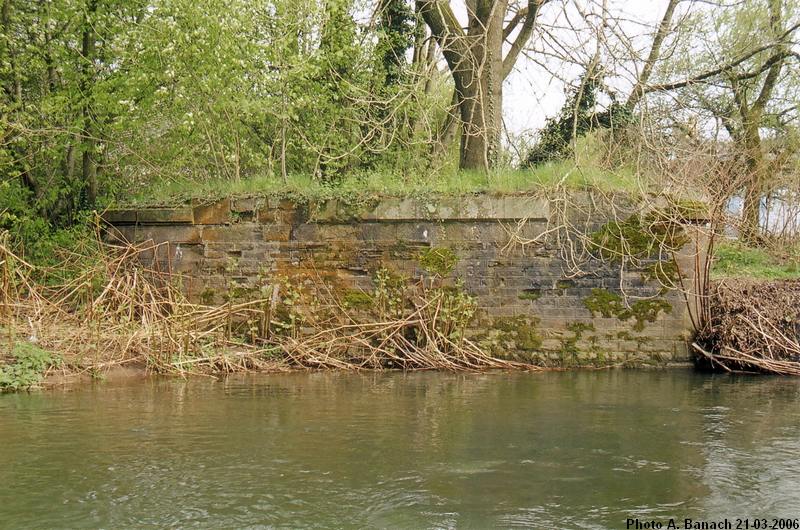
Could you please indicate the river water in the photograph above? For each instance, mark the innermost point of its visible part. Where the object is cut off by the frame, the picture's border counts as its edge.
(426, 450)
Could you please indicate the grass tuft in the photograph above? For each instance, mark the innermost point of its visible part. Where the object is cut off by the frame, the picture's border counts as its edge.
(378, 183)
(735, 260)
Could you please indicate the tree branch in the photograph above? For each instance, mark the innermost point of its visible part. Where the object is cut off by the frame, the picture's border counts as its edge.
(514, 22)
(652, 57)
(662, 87)
(446, 30)
(776, 66)
(524, 34)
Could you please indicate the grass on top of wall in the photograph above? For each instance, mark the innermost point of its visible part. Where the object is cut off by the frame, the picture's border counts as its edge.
(382, 183)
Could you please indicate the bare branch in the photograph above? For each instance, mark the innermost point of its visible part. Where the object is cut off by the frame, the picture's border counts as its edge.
(532, 11)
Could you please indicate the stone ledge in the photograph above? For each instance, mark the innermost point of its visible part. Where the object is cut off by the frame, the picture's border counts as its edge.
(180, 215)
(468, 208)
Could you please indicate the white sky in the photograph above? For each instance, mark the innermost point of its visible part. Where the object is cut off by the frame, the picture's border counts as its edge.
(531, 92)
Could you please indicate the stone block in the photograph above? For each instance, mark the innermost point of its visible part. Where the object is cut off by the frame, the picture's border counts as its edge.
(120, 217)
(120, 233)
(179, 215)
(248, 232)
(212, 213)
(247, 205)
(276, 232)
(170, 233)
(268, 215)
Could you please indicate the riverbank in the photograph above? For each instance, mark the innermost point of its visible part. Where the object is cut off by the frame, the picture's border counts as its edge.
(467, 283)
(753, 326)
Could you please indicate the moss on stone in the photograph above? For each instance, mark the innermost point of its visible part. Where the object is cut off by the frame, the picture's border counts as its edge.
(207, 296)
(578, 328)
(564, 284)
(647, 311)
(439, 261)
(530, 294)
(608, 304)
(605, 303)
(522, 332)
(689, 210)
(601, 356)
(357, 299)
(666, 272)
(628, 336)
(640, 237)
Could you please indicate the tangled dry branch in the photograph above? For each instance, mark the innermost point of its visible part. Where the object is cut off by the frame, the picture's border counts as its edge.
(754, 327)
(121, 312)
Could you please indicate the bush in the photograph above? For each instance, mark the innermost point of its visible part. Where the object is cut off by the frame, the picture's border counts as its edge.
(27, 368)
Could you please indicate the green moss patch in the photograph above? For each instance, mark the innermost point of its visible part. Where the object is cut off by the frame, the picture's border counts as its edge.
(640, 237)
(357, 300)
(439, 261)
(530, 294)
(521, 331)
(608, 304)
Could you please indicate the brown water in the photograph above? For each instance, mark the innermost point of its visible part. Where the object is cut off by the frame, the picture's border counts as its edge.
(556, 450)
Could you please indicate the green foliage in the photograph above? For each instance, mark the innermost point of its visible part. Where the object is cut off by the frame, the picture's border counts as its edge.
(361, 185)
(28, 365)
(577, 117)
(457, 309)
(438, 261)
(396, 36)
(605, 303)
(521, 331)
(530, 294)
(647, 311)
(389, 294)
(651, 236)
(579, 328)
(734, 259)
(179, 90)
(43, 242)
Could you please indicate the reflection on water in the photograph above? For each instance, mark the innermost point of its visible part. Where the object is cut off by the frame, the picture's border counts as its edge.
(582, 450)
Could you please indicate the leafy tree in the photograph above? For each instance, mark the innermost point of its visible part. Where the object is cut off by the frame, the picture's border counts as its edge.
(396, 34)
(577, 117)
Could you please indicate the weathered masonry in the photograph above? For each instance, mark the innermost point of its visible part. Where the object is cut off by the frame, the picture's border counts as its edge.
(531, 304)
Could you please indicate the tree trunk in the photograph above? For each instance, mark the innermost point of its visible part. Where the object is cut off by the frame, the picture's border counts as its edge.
(480, 108)
(480, 86)
(754, 189)
(89, 163)
(476, 62)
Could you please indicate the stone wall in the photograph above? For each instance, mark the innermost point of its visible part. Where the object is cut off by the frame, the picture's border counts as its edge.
(530, 305)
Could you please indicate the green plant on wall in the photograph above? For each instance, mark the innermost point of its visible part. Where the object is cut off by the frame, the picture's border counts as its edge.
(457, 309)
(389, 294)
(438, 261)
(357, 300)
(655, 235)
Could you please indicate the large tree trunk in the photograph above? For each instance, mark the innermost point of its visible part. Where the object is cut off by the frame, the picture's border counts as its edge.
(754, 189)
(480, 108)
(476, 62)
(479, 86)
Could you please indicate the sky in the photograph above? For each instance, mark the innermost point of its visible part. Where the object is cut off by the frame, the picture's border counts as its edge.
(534, 91)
